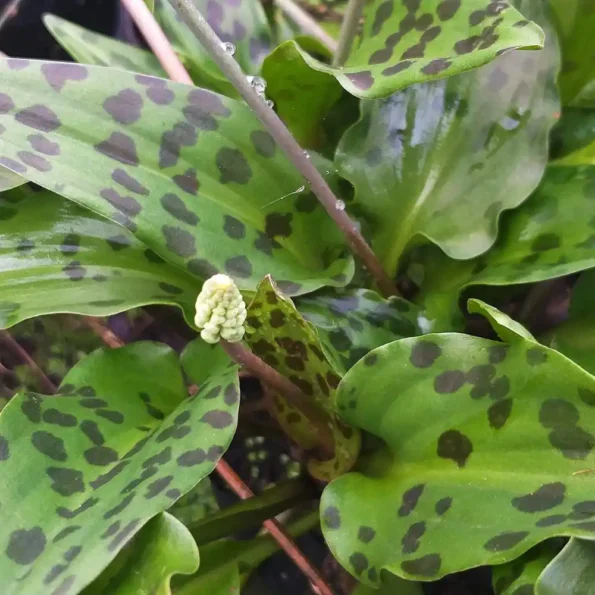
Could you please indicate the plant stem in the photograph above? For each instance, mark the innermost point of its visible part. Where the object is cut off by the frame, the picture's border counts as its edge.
(287, 389)
(205, 34)
(306, 23)
(157, 40)
(276, 529)
(353, 14)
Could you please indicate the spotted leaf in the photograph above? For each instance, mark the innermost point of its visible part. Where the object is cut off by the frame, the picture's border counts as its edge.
(571, 572)
(303, 96)
(391, 585)
(576, 20)
(58, 257)
(89, 47)
(162, 548)
(9, 179)
(485, 447)
(190, 173)
(551, 235)
(278, 334)
(439, 162)
(117, 445)
(197, 504)
(413, 41)
(240, 22)
(352, 322)
(520, 576)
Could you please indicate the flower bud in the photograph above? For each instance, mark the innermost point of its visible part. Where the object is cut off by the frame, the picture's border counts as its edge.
(220, 310)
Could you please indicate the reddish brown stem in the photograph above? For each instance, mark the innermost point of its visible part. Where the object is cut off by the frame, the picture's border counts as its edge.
(277, 531)
(46, 384)
(106, 335)
(287, 389)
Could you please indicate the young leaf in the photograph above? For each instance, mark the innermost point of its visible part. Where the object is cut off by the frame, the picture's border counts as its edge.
(439, 162)
(575, 337)
(244, 24)
(549, 236)
(413, 41)
(520, 576)
(89, 47)
(278, 334)
(352, 322)
(162, 548)
(506, 328)
(58, 257)
(119, 444)
(571, 572)
(302, 96)
(190, 173)
(486, 448)
(576, 20)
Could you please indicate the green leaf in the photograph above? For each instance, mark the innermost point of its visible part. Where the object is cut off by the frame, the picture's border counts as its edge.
(250, 513)
(414, 41)
(551, 235)
(391, 585)
(571, 572)
(576, 20)
(119, 444)
(277, 333)
(303, 96)
(150, 5)
(486, 447)
(352, 322)
(9, 180)
(162, 548)
(440, 162)
(58, 257)
(575, 337)
(190, 173)
(520, 576)
(88, 47)
(507, 329)
(575, 130)
(242, 23)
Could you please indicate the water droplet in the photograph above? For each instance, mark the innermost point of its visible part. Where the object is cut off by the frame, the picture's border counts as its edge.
(258, 84)
(270, 103)
(340, 206)
(300, 189)
(228, 48)
(306, 155)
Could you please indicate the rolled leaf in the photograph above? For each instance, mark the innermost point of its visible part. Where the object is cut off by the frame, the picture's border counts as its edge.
(117, 445)
(190, 173)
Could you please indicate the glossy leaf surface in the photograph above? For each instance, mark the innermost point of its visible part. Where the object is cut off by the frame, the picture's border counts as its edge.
(413, 41)
(58, 257)
(576, 21)
(352, 322)
(190, 173)
(484, 442)
(551, 235)
(120, 443)
(441, 161)
(520, 576)
(89, 47)
(162, 548)
(278, 334)
(571, 572)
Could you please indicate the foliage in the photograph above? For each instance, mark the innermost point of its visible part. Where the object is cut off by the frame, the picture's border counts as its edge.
(448, 433)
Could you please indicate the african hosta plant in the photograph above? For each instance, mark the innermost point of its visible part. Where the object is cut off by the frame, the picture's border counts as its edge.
(447, 432)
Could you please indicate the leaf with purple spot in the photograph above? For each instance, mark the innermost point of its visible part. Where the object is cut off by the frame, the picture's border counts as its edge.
(118, 444)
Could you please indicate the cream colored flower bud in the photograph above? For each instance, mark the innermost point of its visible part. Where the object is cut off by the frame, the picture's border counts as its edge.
(220, 310)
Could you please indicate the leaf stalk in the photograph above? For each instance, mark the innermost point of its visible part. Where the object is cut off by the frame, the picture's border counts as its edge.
(349, 27)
